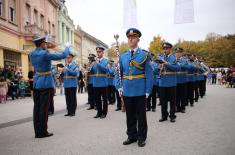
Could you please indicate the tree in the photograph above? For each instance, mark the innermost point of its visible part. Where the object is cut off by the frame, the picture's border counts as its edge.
(155, 46)
(216, 50)
(122, 48)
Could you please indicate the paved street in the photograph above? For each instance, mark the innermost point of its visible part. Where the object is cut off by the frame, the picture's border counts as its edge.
(207, 128)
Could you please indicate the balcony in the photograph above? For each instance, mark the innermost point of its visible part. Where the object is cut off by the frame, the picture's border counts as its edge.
(33, 29)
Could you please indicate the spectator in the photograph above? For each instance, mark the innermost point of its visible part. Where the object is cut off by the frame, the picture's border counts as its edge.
(30, 77)
(229, 76)
(223, 77)
(209, 78)
(219, 76)
(214, 77)
(3, 90)
(22, 87)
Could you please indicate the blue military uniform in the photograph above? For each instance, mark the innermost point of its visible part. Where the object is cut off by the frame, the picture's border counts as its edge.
(111, 87)
(90, 75)
(153, 96)
(70, 75)
(137, 81)
(43, 85)
(190, 82)
(51, 107)
(100, 84)
(167, 84)
(119, 101)
(181, 90)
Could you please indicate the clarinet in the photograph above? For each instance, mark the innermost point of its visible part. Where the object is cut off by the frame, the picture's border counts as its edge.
(119, 71)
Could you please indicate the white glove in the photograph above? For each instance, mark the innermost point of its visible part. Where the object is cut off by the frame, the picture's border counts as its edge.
(120, 90)
(68, 44)
(147, 95)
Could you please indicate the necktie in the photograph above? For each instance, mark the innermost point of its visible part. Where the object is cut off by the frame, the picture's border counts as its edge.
(132, 52)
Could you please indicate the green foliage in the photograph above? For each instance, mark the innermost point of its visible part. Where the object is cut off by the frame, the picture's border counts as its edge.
(216, 50)
(122, 48)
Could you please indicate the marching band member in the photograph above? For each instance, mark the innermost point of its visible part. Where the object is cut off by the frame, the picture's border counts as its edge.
(43, 83)
(90, 75)
(181, 97)
(70, 74)
(100, 83)
(168, 82)
(137, 82)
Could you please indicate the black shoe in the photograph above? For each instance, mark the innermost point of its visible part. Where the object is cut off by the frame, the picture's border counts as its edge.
(196, 100)
(43, 136)
(97, 116)
(118, 109)
(71, 115)
(129, 141)
(141, 143)
(90, 108)
(50, 113)
(148, 110)
(153, 110)
(191, 105)
(102, 116)
(183, 111)
(172, 120)
(67, 114)
(178, 111)
(163, 119)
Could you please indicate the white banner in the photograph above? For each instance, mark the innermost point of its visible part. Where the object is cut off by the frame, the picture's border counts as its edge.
(184, 11)
(129, 14)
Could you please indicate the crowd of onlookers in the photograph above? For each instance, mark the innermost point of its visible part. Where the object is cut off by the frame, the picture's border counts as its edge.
(12, 84)
(222, 77)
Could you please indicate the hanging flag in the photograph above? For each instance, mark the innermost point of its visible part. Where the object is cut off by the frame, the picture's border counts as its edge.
(184, 11)
(129, 14)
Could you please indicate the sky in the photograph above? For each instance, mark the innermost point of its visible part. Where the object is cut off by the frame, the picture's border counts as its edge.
(104, 18)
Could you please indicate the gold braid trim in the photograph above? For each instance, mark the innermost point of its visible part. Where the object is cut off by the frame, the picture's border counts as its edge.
(138, 65)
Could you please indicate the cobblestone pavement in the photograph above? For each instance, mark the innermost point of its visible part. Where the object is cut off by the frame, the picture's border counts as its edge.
(207, 128)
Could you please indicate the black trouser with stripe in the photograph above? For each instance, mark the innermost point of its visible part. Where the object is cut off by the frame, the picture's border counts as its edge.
(41, 98)
(190, 93)
(71, 99)
(136, 117)
(152, 97)
(111, 94)
(201, 88)
(101, 92)
(168, 94)
(91, 95)
(119, 101)
(196, 90)
(51, 107)
(181, 97)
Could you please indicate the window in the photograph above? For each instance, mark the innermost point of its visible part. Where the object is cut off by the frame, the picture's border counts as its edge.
(41, 21)
(53, 29)
(12, 6)
(11, 57)
(49, 27)
(35, 17)
(67, 33)
(28, 14)
(1, 7)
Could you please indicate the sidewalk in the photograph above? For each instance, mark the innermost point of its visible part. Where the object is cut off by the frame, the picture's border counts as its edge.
(23, 108)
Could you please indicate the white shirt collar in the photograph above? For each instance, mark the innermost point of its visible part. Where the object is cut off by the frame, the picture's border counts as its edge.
(136, 49)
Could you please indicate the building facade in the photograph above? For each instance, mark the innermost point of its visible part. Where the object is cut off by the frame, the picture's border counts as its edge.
(19, 21)
(65, 28)
(88, 45)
